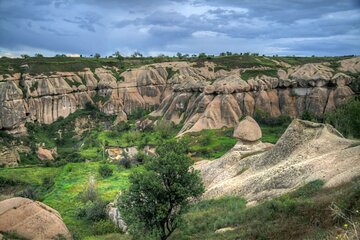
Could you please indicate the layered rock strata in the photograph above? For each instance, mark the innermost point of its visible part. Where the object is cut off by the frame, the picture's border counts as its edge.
(197, 96)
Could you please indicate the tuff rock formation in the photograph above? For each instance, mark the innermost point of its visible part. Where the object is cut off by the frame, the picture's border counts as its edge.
(198, 96)
(31, 220)
(307, 151)
(248, 130)
(115, 216)
(9, 157)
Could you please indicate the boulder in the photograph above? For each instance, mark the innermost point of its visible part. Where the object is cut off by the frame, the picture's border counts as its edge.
(248, 130)
(44, 154)
(115, 216)
(121, 117)
(31, 220)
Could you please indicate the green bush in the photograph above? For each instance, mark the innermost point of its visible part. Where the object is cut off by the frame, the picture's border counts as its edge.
(29, 192)
(104, 226)
(263, 117)
(164, 128)
(105, 171)
(346, 118)
(93, 211)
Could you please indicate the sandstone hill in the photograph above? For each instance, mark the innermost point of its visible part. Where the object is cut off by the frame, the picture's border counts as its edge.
(306, 152)
(202, 96)
(31, 220)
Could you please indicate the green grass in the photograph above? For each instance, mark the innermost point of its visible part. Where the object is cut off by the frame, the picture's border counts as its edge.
(71, 182)
(111, 236)
(210, 143)
(246, 75)
(271, 134)
(29, 175)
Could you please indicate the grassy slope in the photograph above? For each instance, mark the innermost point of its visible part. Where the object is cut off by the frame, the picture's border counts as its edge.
(210, 143)
(303, 214)
(70, 181)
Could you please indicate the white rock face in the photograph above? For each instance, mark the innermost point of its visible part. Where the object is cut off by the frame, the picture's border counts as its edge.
(115, 216)
(306, 152)
(198, 96)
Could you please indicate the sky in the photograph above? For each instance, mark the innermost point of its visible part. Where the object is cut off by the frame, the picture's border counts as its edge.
(153, 27)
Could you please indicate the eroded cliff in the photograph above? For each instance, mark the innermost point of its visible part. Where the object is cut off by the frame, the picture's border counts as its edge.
(198, 96)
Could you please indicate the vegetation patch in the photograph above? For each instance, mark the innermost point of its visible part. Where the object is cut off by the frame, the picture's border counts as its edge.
(247, 74)
(210, 143)
(72, 83)
(303, 214)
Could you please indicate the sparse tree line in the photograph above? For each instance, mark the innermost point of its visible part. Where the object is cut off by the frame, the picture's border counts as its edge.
(137, 54)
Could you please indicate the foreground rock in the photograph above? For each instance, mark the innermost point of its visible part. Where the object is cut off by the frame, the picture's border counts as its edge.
(31, 220)
(307, 151)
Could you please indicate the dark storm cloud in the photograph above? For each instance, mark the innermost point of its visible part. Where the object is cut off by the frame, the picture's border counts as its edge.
(320, 27)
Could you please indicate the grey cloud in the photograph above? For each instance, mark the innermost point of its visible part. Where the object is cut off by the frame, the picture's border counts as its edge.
(326, 27)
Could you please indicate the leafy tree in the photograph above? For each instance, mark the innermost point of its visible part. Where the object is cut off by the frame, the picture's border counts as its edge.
(118, 56)
(202, 55)
(38, 55)
(97, 55)
(179, 55)
(137, 54)
(158, 195)
(25, 56)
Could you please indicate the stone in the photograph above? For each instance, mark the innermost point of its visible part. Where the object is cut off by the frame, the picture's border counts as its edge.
(31, 219)
(115, 216)
(9, 157)
(248, 130)
(44, 154)
(121, 117)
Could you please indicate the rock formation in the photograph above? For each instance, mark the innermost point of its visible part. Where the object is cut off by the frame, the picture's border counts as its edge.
(9, 157)
(307, 151)
(31, 220)
(115, 216)
(199, 96)
(45, 154)
(248, 130)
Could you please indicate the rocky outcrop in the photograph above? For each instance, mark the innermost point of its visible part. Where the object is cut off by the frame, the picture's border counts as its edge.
(115, 216)
(116, 154)
(306, 152)
(9, 157)
(30, 219)
(45, 154)
(198, 96)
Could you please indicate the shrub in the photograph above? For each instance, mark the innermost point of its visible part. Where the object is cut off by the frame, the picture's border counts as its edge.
(29, 192)
(93, 211)
(90, 193)
(263, 117)
(164, 128)
(125, 162)
(346, 118)
(105, 171)
(103, 227)
(140, 157)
